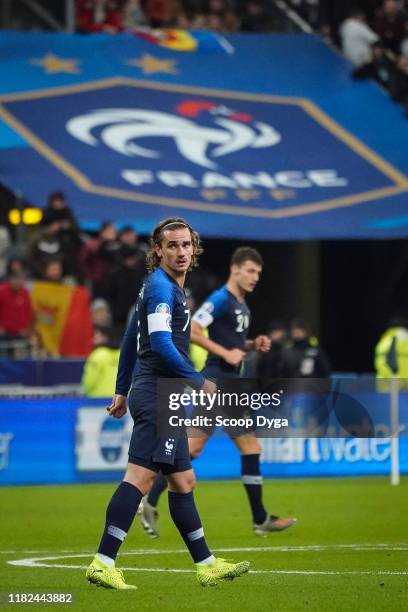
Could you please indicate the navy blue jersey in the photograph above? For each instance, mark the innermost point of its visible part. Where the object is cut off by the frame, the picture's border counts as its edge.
(227, 320)
(160, 331)
(163, 329)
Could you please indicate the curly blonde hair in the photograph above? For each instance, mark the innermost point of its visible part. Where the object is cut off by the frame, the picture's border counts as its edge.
(172, 223)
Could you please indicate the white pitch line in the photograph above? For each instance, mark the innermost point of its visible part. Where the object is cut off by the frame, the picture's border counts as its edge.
(26, 552)
(42, 551)
(163, 551)
(190, 571)
(36, 562)
(40, 561)
(319, 548)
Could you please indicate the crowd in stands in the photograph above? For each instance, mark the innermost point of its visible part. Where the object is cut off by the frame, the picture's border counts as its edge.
(373, 34)
(387, 17)
(110, 264)
(378, 47)
(110, 267)
(111, 16)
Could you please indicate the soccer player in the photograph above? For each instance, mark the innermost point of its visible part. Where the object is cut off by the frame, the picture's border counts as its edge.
(161, 328)
(227, 317)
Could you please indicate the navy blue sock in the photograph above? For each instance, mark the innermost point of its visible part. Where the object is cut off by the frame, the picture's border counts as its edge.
(185, 516)
(119, 517)
(252, 481)
(159, 485)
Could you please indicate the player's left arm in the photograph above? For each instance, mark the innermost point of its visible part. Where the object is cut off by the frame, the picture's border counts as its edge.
(160, 303)
(261, 343)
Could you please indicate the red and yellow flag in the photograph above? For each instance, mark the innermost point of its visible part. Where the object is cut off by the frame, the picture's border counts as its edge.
(63, 318)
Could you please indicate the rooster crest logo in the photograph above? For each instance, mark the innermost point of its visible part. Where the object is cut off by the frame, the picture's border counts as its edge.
(122, 128)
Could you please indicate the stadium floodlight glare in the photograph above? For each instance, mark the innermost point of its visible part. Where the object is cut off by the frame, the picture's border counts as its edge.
(29, 216)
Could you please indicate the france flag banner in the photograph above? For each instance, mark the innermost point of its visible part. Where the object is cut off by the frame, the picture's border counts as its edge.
(239, 160)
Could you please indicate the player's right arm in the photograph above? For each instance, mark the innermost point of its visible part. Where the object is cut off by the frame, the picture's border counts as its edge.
(215, 307)
(127, 360)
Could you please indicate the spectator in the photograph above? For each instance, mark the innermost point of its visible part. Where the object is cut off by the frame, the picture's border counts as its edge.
(133, 15)
(101, 366)
(129, 237)
(391, 354)
(370, 8)
(98, 16)
(57, 211)
(16, 264)
(331, 14)
(36, 348)
(98, 257)
(198, 354)
(303, 358)
(5, 242)
(270, 364)
(399, 82)
(357, 38)
(53, 271)
(381, 68)
(124, 284)
(390, 25)
(161, 13)
(217, 16)
(255, 17)
(47, 245)
(101, 313)
(16, 315)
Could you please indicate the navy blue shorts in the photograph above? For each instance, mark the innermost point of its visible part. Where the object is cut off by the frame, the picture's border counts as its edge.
(146, 448)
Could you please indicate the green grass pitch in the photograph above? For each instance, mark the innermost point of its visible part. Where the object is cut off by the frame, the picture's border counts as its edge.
(349, 550)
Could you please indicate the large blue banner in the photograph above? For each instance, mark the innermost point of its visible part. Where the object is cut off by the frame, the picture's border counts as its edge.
(267, 142)
(73, 440)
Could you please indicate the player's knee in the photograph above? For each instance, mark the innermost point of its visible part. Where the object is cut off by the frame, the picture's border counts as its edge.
(140, 478)
(187, 484)
(184, 483)
(248, 445)
(190, 482)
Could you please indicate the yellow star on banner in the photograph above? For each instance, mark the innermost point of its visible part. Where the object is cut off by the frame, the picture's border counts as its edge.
(282, 194)
(213, 194)
(247, 194)
(53, 64)
(150, 64)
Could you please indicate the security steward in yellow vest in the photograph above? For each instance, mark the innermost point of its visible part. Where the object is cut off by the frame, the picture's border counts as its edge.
(99, 376)
(391, 355)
